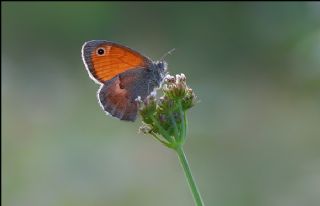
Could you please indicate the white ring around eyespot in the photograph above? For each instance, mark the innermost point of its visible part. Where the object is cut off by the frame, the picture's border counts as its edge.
(104, 51)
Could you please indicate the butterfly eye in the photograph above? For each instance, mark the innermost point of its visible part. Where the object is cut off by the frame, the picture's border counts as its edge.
(101, 51)
(160, 64)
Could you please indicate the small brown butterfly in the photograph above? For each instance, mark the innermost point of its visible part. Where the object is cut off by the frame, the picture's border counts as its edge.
(124, 75)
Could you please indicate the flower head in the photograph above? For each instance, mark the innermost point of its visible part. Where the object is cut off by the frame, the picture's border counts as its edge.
(165, 118)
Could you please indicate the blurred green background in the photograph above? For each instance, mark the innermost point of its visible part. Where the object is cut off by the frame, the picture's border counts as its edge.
(253, 140)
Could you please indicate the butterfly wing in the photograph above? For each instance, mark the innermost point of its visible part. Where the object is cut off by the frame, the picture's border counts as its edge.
(105, 60)
(124, 74)
(117, 96)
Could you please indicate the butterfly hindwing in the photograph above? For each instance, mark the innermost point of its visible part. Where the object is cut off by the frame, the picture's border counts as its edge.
(118, 95)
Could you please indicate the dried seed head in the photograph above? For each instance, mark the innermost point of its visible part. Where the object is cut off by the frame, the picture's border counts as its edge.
(183, 77)
(145, 129)
(169, 79)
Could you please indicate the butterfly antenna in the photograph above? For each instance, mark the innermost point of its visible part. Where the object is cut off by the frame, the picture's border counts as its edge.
(167, 53)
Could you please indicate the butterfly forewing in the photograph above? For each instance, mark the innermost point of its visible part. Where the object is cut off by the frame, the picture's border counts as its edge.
(105, 60)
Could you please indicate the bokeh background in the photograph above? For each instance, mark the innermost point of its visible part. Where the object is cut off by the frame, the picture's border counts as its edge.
(253, 140)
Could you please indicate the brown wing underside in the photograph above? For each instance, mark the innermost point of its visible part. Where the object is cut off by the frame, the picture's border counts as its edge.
(117, 96)
(117, 100)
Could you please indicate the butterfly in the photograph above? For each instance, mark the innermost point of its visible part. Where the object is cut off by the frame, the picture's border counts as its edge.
(124, 75)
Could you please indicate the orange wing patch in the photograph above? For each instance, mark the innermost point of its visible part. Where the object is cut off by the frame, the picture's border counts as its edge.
(109, 60)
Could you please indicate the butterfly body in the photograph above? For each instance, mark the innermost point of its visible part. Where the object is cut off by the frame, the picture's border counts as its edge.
(124, 75)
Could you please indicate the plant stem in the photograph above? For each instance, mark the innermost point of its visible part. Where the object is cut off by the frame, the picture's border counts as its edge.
(176, 132)
(193, 187)
(183, 124)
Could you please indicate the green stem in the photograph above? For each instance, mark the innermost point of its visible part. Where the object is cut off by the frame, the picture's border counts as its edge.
(184, 122)
(193, 187)
(175, 128)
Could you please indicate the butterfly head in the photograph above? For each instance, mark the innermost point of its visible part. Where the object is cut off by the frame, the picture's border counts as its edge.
(161, 66)
(158, 70)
